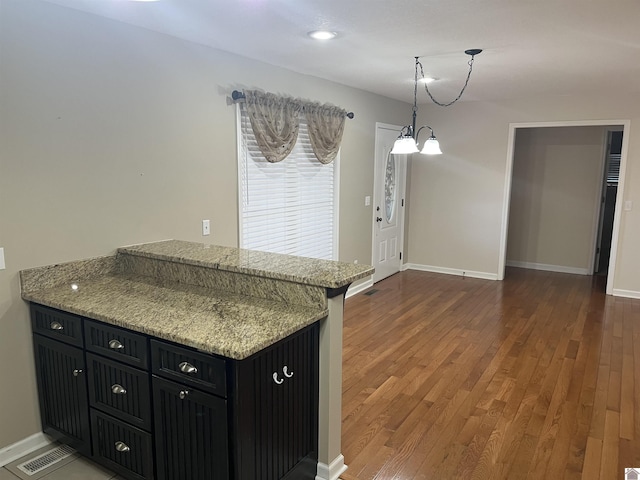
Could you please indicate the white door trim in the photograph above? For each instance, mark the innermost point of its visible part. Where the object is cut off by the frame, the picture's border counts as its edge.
(626, 124)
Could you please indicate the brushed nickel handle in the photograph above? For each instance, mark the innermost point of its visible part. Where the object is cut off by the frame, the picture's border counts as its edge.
(187, 368)
(118, 389)
(122, 447)
(275, 379)
(115, 345)
(183, 394)
(56, 326)
(286, 373)
(77, 372)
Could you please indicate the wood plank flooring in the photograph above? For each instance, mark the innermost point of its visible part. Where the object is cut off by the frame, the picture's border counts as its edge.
(536, 377)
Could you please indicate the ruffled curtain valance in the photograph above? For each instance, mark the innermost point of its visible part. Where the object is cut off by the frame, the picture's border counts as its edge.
(326, 125)
(275, 122)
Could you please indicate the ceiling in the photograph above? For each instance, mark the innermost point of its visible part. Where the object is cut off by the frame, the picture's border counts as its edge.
(531, 47)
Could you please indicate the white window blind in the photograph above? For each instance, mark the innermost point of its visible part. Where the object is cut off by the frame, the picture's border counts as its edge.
(290, 206)
(613, 172)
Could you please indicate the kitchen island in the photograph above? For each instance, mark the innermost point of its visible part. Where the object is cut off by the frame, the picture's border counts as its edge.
(232, 304)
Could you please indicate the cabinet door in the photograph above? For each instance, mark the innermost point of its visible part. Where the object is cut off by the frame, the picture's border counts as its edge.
(190, 433)
(277, 413)
(62, 389)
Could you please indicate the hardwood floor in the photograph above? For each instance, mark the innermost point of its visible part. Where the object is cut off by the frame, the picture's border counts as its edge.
(536, 377)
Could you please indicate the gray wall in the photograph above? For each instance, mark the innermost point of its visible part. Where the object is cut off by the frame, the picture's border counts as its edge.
(112, 135)
(457, 199)
(557, 181)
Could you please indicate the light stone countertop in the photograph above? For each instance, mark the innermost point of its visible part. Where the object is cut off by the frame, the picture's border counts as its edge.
(220, 300)
(307, 271)
(227, 324)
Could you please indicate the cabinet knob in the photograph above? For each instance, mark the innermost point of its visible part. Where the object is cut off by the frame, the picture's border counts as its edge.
(77, 372)
(56, 326)
(183, 394)
(186, 367)
(115, 345)
(122, 447)
(118, 389)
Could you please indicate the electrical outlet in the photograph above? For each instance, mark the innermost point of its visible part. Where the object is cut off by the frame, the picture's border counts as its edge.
(206, 227)
(2, 265)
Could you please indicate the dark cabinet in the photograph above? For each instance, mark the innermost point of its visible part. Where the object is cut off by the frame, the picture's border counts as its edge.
(62, 387)
(151, 409)
(276, 410)
(271, 404)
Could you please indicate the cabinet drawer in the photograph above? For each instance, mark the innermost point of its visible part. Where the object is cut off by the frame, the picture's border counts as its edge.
(120, 390)
(122, 448)
(55, 324)
(191, 368)
(116, 343)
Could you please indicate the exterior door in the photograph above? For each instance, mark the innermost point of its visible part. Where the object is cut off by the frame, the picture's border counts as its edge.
(389, 201)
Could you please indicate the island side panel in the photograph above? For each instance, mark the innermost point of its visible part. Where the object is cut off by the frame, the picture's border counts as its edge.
(330, 459)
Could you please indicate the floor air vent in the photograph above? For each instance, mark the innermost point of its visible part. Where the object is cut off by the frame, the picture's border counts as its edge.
(46, 459)
(371, 292)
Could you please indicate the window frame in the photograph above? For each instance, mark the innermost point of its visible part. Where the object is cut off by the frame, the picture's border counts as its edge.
(240, 199)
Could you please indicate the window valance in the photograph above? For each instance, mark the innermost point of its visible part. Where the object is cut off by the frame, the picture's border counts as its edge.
(275, 122)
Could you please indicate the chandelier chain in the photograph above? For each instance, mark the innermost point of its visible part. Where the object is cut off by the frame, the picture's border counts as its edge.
(427, 88)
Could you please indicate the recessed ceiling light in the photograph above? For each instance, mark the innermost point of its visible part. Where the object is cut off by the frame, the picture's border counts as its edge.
(427, 80)
(322, 35)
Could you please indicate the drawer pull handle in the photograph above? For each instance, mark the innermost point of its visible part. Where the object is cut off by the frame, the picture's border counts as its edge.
(187, 368)
(275, 379)
(56, 326)
(115, 345)
(286, 373)
(77, 372)
(118, 389)
(183, 394)
(122, 447)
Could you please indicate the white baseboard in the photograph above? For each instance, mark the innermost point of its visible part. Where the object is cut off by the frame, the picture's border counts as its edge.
(625, 293)
(23, 447)
(333, 471)
(450, 271)
(360, 287)
(549, 268)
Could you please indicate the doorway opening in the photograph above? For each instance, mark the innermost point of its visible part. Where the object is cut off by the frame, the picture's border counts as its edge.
(588, 237)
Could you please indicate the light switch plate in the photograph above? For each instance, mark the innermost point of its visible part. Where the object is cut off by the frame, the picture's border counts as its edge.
(2, 266)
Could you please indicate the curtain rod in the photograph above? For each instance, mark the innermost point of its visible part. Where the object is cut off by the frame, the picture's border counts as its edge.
(239, 97)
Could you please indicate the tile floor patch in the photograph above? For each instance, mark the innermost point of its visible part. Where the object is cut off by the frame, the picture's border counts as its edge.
(46, 459)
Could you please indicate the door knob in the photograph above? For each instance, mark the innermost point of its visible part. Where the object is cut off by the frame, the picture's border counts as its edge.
(378, 219)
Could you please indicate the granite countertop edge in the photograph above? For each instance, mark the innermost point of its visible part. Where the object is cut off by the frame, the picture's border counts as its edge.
(319, 273)
(231, 325)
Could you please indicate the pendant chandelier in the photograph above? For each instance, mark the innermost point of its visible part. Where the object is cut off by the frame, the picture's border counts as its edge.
(407, 142)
